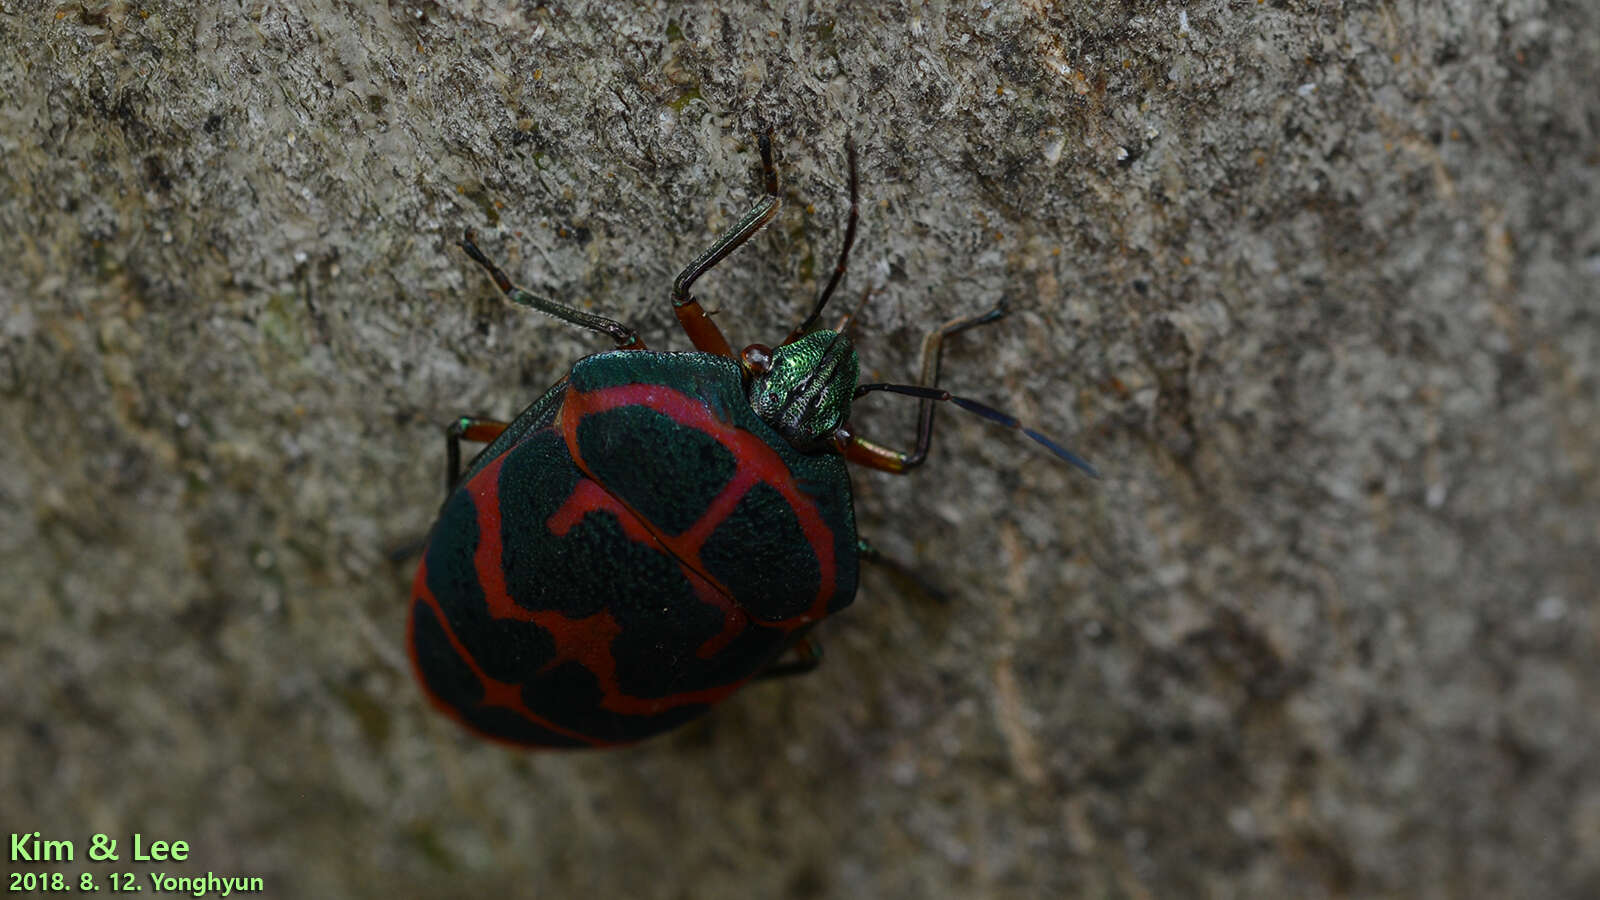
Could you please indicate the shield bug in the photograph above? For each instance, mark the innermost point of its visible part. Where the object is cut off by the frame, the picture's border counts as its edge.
(657, 529)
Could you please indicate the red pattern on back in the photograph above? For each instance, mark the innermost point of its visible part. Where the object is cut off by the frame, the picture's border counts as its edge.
(758, 464)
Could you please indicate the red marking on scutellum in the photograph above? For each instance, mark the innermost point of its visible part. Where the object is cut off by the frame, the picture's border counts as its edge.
(587, 640)
(495, 692)
(589, 497)
(758, 464)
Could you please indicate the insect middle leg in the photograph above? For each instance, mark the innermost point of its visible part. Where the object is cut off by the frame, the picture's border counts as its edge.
(626, 338)
(861, 451)
(466, 428)
(696, 322)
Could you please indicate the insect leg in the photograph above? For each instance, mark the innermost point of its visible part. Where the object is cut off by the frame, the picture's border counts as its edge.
(466, 428)
(863, 452)
(626, 338)
(801, 656)
(695, 321)
(907, 575)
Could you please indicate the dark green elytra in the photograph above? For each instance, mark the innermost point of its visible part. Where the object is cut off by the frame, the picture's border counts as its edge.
(633, 548)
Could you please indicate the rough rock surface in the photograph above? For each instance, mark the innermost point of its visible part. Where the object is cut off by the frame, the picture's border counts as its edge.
(1315, 284)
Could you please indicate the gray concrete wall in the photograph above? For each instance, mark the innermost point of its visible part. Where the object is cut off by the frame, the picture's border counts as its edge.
(1314, 284)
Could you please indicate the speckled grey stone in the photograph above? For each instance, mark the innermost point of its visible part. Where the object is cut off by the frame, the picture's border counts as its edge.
(1315, 285)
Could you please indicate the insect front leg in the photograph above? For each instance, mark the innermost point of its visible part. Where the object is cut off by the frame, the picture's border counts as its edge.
(863, 452)
(696, 322)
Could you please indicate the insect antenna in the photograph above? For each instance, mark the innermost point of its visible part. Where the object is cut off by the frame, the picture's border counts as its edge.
(986, 411)
(844, 252)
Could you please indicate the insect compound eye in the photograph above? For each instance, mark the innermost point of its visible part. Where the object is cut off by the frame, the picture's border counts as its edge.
(757, 359)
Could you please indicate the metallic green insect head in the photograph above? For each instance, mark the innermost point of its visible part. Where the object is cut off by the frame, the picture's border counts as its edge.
(805, 394)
